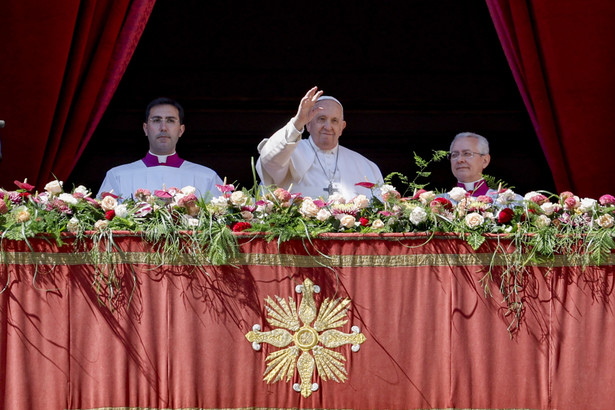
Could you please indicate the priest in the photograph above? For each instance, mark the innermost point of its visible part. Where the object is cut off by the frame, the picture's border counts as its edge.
(469, 156)
(316, 166)
(161, 168)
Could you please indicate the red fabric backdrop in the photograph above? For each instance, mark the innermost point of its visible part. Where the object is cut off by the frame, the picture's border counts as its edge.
(174, 337)
(61, 63)
(562, 55)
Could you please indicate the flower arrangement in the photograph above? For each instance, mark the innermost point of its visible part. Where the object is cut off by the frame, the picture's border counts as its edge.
(539, 224)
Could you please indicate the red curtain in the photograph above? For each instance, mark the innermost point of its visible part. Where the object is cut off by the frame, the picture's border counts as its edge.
(562, 55)
(61, 65)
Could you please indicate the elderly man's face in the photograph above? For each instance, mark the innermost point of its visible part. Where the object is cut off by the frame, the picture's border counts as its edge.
(327, 126)
(468, 169)
(163, 129)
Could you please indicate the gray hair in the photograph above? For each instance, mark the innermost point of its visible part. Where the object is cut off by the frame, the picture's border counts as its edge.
(483, 144)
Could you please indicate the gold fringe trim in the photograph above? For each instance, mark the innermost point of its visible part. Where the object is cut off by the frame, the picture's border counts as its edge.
(265, 259)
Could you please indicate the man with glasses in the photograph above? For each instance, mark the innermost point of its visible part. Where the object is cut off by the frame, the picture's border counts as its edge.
(469, 156)
(161, 168)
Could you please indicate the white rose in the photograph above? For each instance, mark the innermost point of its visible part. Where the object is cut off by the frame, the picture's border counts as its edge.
(606, 221)
(361, 201)
(43, 197)
(418, 215)
(548, 208)
(108, 203)
(530, 195)
(427, 197)
(68, 198)
(377, 224)
(187, 190)
(247, 215)
(121, 211)
(474, 220)
(219, 201)
(73, 225)
(265, 207)
(457, 193)
(347, 221)
(82, 190)
(54, 187)
(22, 215)
(191, 221)
(384, 189)
(506, 197)
(543, 221)
(337, 198)
(101, 224)
(238, 198)
(587, 204)
(308, 208)
(323, 215)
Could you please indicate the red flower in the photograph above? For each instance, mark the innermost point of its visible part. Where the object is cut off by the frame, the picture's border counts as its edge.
(162, 194)
(241, 226)
(24, 185)
(440, 204)
(363, 221)
(418, 193)
(106, 194)
(109, 215)
(225, 188)
(505, 215)
(368, 185)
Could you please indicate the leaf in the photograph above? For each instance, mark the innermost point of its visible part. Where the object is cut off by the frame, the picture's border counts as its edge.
(475, 240)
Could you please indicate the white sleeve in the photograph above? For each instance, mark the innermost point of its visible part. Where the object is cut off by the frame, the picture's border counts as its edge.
(274, 163)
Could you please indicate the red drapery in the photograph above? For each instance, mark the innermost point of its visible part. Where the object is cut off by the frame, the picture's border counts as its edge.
(562, 55)
(61, 64)
(174, 337)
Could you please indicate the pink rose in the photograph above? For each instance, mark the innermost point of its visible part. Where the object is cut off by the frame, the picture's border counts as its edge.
(282, 195)
(539, 199)
(3, 207)
(485, 199)
(607, 200)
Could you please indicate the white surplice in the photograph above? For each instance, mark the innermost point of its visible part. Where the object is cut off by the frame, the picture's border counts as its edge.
(125, 179)
(287, 159)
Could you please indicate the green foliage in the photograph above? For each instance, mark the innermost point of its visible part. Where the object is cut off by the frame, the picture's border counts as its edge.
(409, 187)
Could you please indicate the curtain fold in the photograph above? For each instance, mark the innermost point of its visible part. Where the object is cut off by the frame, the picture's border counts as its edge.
(562, 57)
(62, 74)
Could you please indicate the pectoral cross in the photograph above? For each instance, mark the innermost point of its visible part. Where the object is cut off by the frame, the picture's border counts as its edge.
(330, 190)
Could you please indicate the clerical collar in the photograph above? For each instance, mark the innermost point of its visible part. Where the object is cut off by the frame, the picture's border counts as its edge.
(153, 160)
(323, 151)
(476, 188)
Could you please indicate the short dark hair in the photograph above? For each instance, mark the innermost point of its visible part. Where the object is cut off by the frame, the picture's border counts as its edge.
(165, 101)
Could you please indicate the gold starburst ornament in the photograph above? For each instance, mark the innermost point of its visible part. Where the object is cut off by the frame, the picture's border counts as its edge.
(307, 337)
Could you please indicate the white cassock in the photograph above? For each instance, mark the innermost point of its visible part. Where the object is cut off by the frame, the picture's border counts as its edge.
(287, 159)
(125, 179)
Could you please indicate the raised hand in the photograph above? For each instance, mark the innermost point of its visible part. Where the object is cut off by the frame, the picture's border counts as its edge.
(307, 109)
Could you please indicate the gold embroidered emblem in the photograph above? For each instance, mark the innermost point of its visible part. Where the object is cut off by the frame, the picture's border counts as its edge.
(312, 335)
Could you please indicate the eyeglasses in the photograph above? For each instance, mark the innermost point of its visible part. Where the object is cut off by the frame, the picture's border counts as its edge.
(159, 120)
(464, 154)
